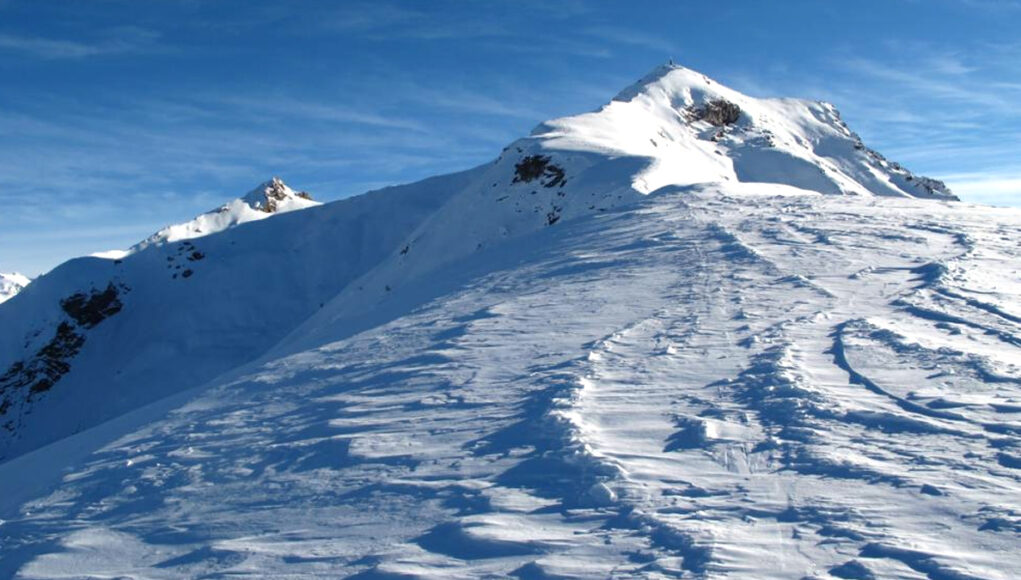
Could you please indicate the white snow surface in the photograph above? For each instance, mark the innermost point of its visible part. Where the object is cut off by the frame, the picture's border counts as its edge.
(789, 141)
(586, 359)
(270, 198)
(12, 283)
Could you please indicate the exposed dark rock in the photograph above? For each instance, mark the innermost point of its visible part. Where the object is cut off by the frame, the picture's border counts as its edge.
(717, 112)
(47, 367)
(276, 192)
(539, 167)
(927, 185)
(52, 361)
(931, 186)
(89, 310)
(54, 357)
(553, 215)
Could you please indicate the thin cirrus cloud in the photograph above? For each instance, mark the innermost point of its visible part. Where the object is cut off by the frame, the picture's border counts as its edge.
(282, 106)
(338, 98)
(127, 39)
(989, 188)
(623, 36)
(48, 48)
(138, 142)
(907, 79)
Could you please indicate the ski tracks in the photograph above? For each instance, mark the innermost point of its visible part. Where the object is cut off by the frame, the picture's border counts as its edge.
(699, 386)
(787, 400)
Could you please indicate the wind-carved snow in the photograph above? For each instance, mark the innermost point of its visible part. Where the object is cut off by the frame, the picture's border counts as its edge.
(543, 371)
(720, 405)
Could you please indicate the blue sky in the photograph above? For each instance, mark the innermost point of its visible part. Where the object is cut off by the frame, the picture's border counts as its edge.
(118, 117)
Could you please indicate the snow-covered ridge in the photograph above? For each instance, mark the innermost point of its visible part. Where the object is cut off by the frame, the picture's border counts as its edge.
(674, 128)
(692, 334)
(11, 284)
(188, 309)
(664, 118)
(269, 198)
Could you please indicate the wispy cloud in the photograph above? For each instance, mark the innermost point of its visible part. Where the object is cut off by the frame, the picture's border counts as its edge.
(952, 65)
(909, 79)
(995, 6)
(282, 106)
(127, 39)
(385, 21)
(47, 48)
(640, 39)
(1005, 183)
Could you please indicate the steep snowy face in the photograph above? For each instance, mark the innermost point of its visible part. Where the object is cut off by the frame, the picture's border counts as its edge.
(691, 129)
(97, 337)
(271, 197)
(11, 284)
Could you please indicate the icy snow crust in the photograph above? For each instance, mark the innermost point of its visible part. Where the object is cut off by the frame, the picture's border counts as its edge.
(538, 369)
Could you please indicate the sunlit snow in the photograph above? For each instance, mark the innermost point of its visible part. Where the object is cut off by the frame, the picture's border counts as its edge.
(636, 345)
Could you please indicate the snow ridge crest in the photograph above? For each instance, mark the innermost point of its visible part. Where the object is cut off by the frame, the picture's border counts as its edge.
(693, 129)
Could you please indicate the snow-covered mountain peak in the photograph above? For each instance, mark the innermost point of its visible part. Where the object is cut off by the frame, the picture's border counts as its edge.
(11, 284)
(269, 198)
(690, 129)
(667, 78)
(274, 196)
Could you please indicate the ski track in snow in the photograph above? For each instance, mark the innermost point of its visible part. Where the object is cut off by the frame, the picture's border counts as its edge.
(768, 387)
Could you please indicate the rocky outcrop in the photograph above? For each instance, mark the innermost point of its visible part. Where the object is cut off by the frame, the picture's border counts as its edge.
(273, 193)
(539, 167)
(717, 112)
(39, 373)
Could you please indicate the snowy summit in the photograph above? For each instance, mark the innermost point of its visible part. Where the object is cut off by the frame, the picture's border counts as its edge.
(11, 284)
(695, 130)
(691, 334)
(269, 198)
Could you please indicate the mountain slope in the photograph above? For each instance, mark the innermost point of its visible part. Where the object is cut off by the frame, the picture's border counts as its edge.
(591, 357)
(97, 337)
(672, 387)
